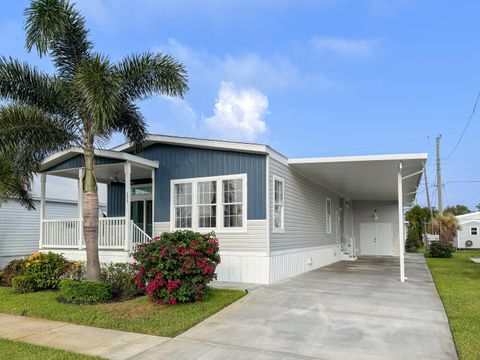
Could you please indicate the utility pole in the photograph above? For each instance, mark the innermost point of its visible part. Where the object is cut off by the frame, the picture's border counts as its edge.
(439, 176)
(428, 195)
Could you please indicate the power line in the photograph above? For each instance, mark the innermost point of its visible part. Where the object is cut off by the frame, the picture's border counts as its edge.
(465, 128)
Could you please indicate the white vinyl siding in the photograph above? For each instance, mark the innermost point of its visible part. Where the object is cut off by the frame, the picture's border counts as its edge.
(304, 211)
(20, 228)
(253, 240)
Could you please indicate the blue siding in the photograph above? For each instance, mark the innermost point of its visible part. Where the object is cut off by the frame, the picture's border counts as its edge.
(116, 199)
(78, 162)
(180, 162)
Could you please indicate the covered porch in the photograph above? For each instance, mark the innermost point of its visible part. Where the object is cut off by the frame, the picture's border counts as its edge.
(374, 192)
(131, 224)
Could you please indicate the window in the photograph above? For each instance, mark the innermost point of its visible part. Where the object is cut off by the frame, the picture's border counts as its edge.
(183, 205)
(232, 203)
(214, 203)
(278, 204)
(473, 231)
(142, 190)
(207, 200)
(329, 216)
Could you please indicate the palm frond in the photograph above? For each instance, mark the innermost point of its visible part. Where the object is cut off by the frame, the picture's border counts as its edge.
(33, 133)
(14, 185)
(97, 95)
(131, 123)
(55, 28)
(20, 82)
(149, 73)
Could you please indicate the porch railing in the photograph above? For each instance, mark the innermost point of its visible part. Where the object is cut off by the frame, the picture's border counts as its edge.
(68, 233)
(138, 235)
(64, 233)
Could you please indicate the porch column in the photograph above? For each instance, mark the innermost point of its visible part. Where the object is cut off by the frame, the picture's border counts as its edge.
(400, 222)
(128, 170)
(153, 202)
(80, 207)
(43, 185)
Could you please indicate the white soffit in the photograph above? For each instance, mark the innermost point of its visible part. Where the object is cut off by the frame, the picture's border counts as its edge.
(372, 177)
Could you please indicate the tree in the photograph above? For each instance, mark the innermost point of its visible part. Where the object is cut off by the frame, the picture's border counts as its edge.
(478, 207)
(457, 210)
(82, 104)
(416, 216)
(447, 226)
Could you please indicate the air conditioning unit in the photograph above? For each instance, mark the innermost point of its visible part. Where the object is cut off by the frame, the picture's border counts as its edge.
(468, 243)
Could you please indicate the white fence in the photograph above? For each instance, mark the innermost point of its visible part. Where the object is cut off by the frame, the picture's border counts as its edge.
(64, 233)
(68, 233)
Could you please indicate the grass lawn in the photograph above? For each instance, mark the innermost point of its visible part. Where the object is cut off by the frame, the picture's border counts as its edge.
(138, 315)
(458, 283)
(18, 350)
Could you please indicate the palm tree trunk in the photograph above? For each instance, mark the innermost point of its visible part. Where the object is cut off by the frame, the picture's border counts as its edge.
(90, 215)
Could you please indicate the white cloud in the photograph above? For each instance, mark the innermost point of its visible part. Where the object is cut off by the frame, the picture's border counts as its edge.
(345, 47)
(239, 113)
(272, 75)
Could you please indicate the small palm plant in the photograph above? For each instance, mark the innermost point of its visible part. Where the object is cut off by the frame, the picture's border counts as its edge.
(82, 104)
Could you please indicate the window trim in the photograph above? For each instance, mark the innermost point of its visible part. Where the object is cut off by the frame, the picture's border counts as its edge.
(328, 218)
(282, 228)
(173, 207)
(476, 230)
(220, 228)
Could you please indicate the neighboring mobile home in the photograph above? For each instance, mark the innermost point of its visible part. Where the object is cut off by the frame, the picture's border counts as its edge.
(275, 217)
(20, 228)
(468, 237)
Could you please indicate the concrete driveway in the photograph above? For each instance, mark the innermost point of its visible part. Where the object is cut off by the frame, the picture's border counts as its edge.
(349, 310)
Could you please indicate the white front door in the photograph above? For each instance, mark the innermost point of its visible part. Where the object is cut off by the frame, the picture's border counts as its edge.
(376, 239)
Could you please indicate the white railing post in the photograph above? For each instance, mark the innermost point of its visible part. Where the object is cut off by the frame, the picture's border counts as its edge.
(80, 208)
(43, 185)
(128, 170)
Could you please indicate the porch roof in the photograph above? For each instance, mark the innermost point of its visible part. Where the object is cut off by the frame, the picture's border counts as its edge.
(371, 177)
(109, 165)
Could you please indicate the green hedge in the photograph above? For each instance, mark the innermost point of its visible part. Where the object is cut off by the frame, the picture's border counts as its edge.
(84, 292)
(23, 284)
(440, 249)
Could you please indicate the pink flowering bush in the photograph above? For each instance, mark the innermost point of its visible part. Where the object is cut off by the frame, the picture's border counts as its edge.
(176, 267)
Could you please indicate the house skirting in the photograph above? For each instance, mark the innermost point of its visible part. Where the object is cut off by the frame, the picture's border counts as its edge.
(258, 268)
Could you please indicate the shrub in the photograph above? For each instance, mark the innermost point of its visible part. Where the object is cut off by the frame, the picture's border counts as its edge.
(440, 249)
(45, 269)
(23, 284)
(120, 278)
(411, 242)
(177, 266)
(13, 269)
(84, 292)
(2, 281)
(74, 270)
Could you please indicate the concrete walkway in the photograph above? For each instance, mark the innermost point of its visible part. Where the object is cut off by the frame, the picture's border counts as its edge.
(348, 310)
(111, 344)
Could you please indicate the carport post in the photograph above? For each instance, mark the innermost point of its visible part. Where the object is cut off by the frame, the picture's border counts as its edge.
(400, 222)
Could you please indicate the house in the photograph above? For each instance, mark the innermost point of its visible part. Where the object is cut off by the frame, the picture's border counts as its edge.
(468, 236)
(20, 228)
(275, 217)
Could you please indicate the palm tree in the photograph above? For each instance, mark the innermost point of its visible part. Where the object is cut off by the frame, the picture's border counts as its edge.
(82, 104)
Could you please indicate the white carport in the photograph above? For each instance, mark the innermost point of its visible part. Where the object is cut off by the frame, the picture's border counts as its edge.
(373, 177)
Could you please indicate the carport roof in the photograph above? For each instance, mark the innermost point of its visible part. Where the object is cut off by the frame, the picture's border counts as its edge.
(371, 177)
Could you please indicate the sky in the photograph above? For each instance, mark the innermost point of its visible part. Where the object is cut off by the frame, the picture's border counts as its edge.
(309, 78)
